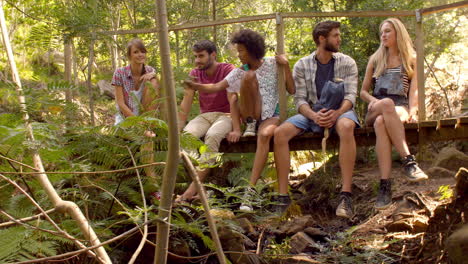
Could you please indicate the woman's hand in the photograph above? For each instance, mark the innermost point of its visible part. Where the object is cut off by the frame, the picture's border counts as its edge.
(149, 133)
(282, 59)
(371, 104)
(413, 116)
(148, 76)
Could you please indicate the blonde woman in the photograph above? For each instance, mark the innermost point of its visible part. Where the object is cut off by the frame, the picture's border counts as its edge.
(394, 101)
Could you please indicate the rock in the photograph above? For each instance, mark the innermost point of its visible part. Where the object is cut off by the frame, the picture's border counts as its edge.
(105, 88)
(178, 247)
(457, 246)
(439, 172)
(451, 159)
(246, 226)
(296, 225)
(415, 224)
(301, 242)
(315, 233)
(461, 188)
(234, 241)
(222, 213)
(294, 260)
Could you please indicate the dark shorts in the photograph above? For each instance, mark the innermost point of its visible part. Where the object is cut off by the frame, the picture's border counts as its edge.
(308, 125)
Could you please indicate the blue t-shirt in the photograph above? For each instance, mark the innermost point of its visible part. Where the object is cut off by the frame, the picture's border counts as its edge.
(325, 72)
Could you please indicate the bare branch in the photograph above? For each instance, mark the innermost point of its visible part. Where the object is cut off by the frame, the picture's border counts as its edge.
(145, 229)
(26, 219)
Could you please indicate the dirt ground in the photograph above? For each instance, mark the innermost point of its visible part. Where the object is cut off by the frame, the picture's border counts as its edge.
(412, 230)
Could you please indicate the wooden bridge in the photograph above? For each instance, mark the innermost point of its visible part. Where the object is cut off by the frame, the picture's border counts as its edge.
(416, 133)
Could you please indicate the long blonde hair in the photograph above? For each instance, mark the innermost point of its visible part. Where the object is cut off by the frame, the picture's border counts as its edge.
(404, 45)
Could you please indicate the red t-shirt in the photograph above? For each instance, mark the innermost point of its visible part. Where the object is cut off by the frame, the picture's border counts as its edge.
(213, 102)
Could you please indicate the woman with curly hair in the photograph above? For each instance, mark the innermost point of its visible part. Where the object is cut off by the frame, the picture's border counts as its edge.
(253, 95)
(393, 102)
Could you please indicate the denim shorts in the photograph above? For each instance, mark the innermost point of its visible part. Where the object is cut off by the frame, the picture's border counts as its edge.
(307, 125)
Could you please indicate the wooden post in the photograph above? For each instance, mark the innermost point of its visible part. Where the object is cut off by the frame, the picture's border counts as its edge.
(68, 61)
(173, 153)
(419, 43)
(420, 65)
(283, 102)
(213, 3)
(67, 54)
(88, 81)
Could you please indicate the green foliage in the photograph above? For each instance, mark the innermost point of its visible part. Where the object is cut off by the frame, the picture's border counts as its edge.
(445, 192)
(275, 249)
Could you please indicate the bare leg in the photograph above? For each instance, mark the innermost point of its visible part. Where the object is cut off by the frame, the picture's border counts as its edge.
(345, 128)
(393, 124)
(250, 104)
(265, 132)
(383, 147)
(283, 134)
(192, 189)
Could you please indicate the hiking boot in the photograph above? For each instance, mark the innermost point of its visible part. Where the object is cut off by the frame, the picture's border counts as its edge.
(280, 203)
(246, 205)
(384, 197)
(345, 207)
(412, 170)
(251, 127)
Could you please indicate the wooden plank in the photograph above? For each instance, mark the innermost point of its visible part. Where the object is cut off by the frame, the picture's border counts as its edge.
(431, 123)
(376, 13)
(364, 137)
(442, 8)
(448, 122)
(259, 18)
(463, 120)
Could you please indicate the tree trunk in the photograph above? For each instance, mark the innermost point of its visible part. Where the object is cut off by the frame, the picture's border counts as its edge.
(170, 171)
(61, 205)
(88, 81)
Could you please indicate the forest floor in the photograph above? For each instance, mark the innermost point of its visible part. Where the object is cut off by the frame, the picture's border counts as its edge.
(413, 229)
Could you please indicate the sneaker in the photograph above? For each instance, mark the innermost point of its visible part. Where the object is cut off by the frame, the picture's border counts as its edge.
(281, 203)
(246, 205)
(251, 127)
(384, 197)
(412, 170)
(345, 207)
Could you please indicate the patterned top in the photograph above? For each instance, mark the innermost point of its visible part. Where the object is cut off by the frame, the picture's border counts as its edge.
(304, 78)
(267, 81)
(123, 77)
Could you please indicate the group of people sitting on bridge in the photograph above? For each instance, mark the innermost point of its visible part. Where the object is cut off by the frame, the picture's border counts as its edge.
(324, 85)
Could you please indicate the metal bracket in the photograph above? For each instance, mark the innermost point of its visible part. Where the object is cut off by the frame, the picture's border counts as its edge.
(279, 19)
(418, 15)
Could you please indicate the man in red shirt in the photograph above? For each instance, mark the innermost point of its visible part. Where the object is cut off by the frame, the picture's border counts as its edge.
(214, 122)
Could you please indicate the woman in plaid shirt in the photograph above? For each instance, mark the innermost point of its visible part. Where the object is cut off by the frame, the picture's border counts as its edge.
(131, 94)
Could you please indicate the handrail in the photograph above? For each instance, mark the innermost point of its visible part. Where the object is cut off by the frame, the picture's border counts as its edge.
(371, 13)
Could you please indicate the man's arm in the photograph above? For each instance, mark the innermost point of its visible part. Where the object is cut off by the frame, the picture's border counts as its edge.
(207, 88)
(300, 98)
(349, 72)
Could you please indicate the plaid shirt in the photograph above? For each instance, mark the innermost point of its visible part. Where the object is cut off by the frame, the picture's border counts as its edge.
(304, 78)
(123, 77)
